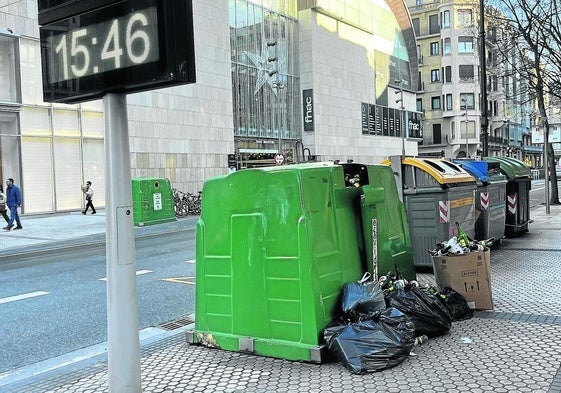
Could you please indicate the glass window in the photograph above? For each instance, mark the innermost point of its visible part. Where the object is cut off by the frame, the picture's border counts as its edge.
(435, 102)
(93, 124)
(67, 173)
(9, 146)
(434, 48)
(449, 106)
(31, 74)
(37, 173)
(466, 73)
(93, 156)
(9, 83)
(465, 44)
(465, 17)
(35, 121)
(448, 74)
(494, 83)
(447, 46)
(416, 26)
(435, 75)
(446, 19)
(265, 91)
(66, 122)
(434, 28)
(467, 101)
(419, 104)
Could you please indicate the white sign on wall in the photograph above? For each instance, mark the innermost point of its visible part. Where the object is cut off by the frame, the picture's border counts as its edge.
(537, 136)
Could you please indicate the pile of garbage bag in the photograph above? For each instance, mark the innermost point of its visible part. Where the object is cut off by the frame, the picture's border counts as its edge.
(382, 320)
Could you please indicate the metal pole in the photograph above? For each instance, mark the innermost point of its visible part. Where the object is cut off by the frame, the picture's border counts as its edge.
(122, 313)
(403, 126)
(483, 80)
(467, 143)
(546, 166)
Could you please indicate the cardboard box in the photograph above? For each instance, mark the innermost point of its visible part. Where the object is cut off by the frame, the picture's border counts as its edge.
(468, 274)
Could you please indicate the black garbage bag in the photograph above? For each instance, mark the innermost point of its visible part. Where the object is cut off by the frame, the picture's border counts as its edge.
(362, 297)
(430, 316)
(456, 304)
(373, 344)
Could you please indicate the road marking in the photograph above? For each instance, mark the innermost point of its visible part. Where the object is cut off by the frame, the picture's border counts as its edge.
(23, 296)
(190, 261)
(138, 273)
(181, 280)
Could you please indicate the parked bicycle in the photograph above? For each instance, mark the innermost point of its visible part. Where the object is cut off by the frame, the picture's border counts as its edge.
(186, 203)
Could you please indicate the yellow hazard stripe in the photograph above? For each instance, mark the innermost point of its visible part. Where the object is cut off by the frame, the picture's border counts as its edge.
(461, 202)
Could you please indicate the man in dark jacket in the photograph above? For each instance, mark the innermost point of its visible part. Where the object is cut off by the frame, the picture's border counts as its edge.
(13, 200)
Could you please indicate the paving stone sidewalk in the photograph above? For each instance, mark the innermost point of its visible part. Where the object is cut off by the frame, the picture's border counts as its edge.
(514, 348)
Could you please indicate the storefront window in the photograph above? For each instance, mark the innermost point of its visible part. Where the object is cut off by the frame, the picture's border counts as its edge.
(265, 84)
(9, 88)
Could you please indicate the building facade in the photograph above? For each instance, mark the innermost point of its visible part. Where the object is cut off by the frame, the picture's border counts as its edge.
(448, 48)
(323, 80)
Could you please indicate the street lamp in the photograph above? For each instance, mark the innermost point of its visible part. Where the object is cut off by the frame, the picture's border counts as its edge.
(464, 106)
(401, 114)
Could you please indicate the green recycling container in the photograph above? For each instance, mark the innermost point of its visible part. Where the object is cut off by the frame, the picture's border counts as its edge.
(517, 213)
(275, 246)
(152, 201)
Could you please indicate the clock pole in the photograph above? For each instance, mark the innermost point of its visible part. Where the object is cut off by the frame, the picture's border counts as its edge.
(122, 309)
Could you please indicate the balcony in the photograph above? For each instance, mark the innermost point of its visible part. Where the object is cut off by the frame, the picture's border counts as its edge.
(431, 140)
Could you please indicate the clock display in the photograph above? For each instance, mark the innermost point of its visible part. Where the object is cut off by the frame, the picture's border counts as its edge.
(114, 44)
(122, 47)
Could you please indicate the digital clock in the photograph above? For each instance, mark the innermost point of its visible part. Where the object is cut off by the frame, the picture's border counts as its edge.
(127, 46)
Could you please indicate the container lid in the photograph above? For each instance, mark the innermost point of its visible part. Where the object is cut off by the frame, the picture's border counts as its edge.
(444, 172)
(486, 172)
(511, 167)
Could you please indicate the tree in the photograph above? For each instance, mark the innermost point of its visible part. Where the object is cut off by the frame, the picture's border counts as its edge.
(531, 30)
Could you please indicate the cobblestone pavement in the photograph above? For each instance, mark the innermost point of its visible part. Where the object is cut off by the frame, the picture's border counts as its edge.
(514, 348)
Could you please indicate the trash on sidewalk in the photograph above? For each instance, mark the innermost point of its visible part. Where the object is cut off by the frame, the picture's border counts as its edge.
(382, 341)
(362, 297)
(426, 311)
(464, 265)
(456, 304)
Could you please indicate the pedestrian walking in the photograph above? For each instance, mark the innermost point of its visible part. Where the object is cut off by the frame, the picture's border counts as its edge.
(3, 207)
(13, 200)
(89, 192)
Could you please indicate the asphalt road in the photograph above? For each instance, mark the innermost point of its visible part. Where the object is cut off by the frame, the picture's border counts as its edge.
(66, 305)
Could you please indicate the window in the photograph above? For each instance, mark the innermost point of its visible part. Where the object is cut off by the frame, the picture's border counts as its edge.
(446, 19)
(435, 102)
(466, 73)
(465, 17)
(434, 28)
(448, 74)
(465, 45)
(437, 134)
(449, 102)
(416, 26)
(434, 48)
(467, 101)
(420, 86)
(494, 83)
(435, 75)
(419, 56)
(418, 2)
(9, 61)
(419, 104)
(447, 47)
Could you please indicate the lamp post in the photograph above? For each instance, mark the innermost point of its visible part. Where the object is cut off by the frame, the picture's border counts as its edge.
(464, 106)
(401, 115)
